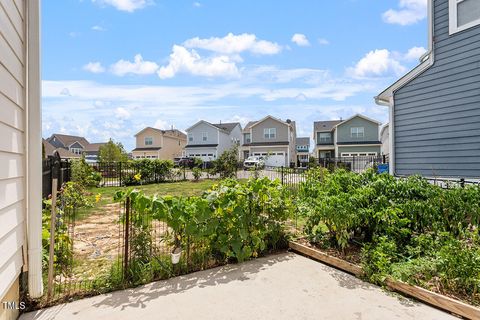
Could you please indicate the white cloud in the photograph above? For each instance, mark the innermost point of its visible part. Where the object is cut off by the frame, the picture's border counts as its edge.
(65, 92)
(323, 41)
(410, 12)
(197, 4)
(138, 66)
(415, 53)
(300, 40)
(234, 44)
(74, 34)
(94, 67)
(377, 63)
(125, 5)
(122, 113)
(187, 61)
(161, 124)
(98, 28)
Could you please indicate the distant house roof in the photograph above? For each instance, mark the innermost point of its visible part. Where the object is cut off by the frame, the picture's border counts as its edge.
(227, 127)
(64, 154)
(147, 149)
(271, 143)
(67, 140)
(170, 132)
(94, 147)
(303, 141)
(247, 127)
(201, 145)
(319, 126)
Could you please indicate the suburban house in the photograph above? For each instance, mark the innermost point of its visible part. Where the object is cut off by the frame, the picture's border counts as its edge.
(70, 147)
(356, 136)
(20, 152)
(208, 141)
(303, 151)
(49, 150)
(385, 139)
(435, 108)
(75, 144)
(152, 143)
(271, 138)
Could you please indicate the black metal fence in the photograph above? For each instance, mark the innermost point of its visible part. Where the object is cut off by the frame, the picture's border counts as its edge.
(355, 163)
(64, 174)
(117, 174)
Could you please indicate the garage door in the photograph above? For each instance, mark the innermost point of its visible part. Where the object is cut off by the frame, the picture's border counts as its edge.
(273, 159)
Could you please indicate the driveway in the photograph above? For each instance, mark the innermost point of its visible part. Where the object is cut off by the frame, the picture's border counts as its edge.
(283, 286)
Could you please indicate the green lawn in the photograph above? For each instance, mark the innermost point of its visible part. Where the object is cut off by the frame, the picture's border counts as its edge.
(184, 188)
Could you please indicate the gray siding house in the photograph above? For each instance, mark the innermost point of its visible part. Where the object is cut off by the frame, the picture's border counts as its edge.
(208, 141)
(303, 151)
(435, 108)
(355, 136)
(271, 138)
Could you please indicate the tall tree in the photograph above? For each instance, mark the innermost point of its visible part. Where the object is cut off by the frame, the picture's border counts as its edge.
(112, 152)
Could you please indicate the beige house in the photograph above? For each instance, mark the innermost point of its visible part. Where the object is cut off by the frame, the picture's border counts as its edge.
(152, 143)
(20, 153)
(271, 138)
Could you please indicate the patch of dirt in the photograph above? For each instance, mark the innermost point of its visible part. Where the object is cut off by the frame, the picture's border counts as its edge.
(97, 240)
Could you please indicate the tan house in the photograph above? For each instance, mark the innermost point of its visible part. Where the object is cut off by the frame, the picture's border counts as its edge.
(152, 143)
(271, 138)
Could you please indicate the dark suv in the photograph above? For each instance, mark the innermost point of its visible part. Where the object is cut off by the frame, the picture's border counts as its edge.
(184, 162)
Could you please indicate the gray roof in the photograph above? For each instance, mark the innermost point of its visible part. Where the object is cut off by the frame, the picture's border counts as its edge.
(247, 127)
(67, 140)
(303, 141)
(325, 125)
(228, 127)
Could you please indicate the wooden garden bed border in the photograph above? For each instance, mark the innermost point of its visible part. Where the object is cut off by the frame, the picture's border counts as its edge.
(437, 300)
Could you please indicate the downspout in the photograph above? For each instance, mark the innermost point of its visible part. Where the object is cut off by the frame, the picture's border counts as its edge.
(33, 150)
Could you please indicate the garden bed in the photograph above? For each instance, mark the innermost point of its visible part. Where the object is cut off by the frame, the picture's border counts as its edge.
(435, 299)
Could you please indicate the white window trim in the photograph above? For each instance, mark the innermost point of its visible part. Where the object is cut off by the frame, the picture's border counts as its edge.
(190, 137)
(453, 18)
(204, 136)
(145, 141)
(270, 133)
(325, 139)
(357, 133)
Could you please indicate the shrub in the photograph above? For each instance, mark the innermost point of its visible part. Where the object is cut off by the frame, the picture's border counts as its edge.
(197, 173)
(226, 164)
(83, 174)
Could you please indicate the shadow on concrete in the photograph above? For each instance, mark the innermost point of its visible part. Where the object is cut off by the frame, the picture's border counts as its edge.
(138, 297)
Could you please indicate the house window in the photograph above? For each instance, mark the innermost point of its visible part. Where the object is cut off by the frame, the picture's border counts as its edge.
(76, 150)
(204, 136)
(357, 132)
(463, 14)
(190, 137)
(148, 141)
(247, 138)
(270, 133)
(324, 137)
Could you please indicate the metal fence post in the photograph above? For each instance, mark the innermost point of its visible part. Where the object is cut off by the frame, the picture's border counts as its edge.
(55, 169)
(126, 237)
(120, 174)
(281, 173)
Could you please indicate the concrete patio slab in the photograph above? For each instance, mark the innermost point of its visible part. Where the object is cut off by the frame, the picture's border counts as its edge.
(283, 286)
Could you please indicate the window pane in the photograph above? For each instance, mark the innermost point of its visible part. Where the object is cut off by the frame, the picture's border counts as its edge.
(468, 11)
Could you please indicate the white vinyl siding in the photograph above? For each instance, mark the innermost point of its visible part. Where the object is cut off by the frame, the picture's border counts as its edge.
(12, 142)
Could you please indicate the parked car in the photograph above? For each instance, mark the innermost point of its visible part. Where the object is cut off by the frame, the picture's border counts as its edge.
(184, 162)
(254, 162)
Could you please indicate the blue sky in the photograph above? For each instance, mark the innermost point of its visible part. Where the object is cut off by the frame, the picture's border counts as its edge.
(113, 67)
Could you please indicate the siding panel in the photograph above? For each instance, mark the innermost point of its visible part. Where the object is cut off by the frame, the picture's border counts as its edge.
(437, 115)
(12, 137)
(10, 34)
